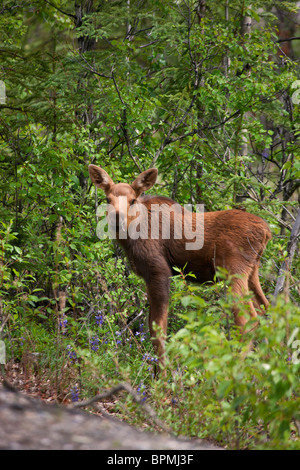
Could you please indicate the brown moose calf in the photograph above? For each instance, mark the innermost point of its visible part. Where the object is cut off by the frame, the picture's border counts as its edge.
(158, 234)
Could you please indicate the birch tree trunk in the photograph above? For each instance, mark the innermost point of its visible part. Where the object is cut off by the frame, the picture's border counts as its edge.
(287, 263)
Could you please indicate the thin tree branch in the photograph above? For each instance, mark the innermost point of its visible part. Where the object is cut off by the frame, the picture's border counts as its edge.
(169, 140)
(149, 44)
(92, 70)
(124, 123)
(252, 195)
(131, 321)
(13, 53)
(62, 11)
(288, 39)
(4, 106)
(9, 8)
(118, 388)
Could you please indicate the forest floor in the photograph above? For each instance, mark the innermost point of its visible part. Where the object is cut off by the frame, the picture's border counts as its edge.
(35, 385)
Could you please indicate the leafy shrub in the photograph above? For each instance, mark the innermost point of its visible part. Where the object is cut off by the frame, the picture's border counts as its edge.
(245, 393)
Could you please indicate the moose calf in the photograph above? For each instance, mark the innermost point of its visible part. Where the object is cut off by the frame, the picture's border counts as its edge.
(231, 239)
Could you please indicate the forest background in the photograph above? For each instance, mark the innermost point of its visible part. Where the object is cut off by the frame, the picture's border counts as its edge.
(208, 92)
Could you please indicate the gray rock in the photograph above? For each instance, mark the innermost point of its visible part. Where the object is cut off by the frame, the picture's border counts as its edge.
(29, 423)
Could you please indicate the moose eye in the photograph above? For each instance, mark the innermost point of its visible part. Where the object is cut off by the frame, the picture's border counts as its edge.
(132, 202)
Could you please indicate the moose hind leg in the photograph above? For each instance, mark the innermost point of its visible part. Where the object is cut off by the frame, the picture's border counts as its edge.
(240, 289)
(259, 297)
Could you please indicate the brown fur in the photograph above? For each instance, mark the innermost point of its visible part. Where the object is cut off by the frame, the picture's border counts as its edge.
(233, 239)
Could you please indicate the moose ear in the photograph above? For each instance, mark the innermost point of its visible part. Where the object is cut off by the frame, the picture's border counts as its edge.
(100, 178)
(145, 181)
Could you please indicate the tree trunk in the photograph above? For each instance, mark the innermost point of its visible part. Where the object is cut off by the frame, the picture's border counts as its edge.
(85, 44)
(287, 263)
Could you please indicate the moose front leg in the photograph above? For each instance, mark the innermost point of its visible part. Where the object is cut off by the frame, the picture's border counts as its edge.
(158, 289)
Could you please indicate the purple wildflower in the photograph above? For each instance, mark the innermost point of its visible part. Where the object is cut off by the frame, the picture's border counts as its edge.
(142, 391)
(94, 342)
(63, 324)
(74, 394)
(71, 354)
(99, 318)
